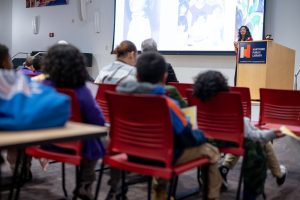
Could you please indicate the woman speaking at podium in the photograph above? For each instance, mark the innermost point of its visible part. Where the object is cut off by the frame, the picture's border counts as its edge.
(244, 35)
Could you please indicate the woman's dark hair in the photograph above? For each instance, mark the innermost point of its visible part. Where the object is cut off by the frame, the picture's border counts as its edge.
(65, 66)
(209, 84)
(37, 62)
(248, 34)
(124, 48)
(4, 54)
(151, 67)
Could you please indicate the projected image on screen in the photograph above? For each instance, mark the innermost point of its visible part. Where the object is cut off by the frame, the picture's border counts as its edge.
(187, 25)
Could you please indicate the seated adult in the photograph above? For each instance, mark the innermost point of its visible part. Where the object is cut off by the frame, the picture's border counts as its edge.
(123, 68)
(151, 45)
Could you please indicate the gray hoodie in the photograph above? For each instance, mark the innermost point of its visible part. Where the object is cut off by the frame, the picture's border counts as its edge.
(116, 72)
(140, 88)
(256, 134)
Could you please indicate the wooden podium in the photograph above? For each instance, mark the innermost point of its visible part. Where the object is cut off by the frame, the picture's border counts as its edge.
(264, 64)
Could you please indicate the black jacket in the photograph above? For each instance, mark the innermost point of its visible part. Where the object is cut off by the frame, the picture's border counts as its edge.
(171, 74)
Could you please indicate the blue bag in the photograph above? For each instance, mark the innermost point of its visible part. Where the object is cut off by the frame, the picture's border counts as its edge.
(26, 104)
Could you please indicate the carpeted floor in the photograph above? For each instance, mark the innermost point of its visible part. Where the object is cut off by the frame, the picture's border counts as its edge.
(47, 185)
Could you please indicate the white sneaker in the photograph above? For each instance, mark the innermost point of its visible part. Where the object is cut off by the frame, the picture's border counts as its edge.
(280, 181)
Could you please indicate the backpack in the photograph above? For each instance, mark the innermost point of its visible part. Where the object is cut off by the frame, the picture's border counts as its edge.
(255, 167)
(26, 105)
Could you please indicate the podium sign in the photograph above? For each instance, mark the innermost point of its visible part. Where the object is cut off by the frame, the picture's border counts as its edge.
(264, 64)
(253, 52)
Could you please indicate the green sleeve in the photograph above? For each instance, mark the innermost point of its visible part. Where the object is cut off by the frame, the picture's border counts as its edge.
(174, 94)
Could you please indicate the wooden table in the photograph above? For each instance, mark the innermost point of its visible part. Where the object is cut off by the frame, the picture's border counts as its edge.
(71, 131)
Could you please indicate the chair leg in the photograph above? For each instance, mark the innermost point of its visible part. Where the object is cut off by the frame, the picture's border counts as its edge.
(123, 185)
(99, 180)
(205, 170)
(77, 182)
(171, 186)
(149, 187)
(64, 179)
(241, 179)
(175, 186)
(15, 175)
(199, 178)
(22, 175)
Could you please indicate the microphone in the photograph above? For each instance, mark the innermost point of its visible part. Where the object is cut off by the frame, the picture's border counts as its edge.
(20, 53)
(296, 78)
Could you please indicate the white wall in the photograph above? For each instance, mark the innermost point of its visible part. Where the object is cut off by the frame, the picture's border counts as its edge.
(5, 22)
(281, 21)
(64, 22)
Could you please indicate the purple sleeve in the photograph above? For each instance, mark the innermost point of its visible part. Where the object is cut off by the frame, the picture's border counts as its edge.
(90, 111)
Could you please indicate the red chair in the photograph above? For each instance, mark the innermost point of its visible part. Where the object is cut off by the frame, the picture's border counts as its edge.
(246, 99)
(75, 147)
(31, 75)
(221, 118)
(100, 98)
(280, 107)
(143, 132)
(181, 87)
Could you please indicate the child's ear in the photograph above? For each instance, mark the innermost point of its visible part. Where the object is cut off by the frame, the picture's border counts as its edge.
(165, 77)
(132, 54)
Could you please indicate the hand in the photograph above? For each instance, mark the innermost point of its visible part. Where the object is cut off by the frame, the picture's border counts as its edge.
(278, 134)
(235, 44)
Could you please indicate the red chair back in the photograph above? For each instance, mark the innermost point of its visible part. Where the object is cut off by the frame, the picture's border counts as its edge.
(279, 107)
(75, 107)
(32, 75)
(221, 117)
(141, 126)
(75, 146)
(246, 99)
(181, 87)
(101, 100)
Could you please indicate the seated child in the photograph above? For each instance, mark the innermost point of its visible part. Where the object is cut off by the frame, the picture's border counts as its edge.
(30, 64)
(209, 84)
(189, 144)
(65, 67)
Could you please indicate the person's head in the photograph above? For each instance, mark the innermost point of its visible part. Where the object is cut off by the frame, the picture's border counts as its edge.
(151, 68)
(126, 52)
(65, 66)
(37, 62)
(244, 33)
(62, 42)
(209, 84)
(148, 45)
(28, 61)
(5, 61)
